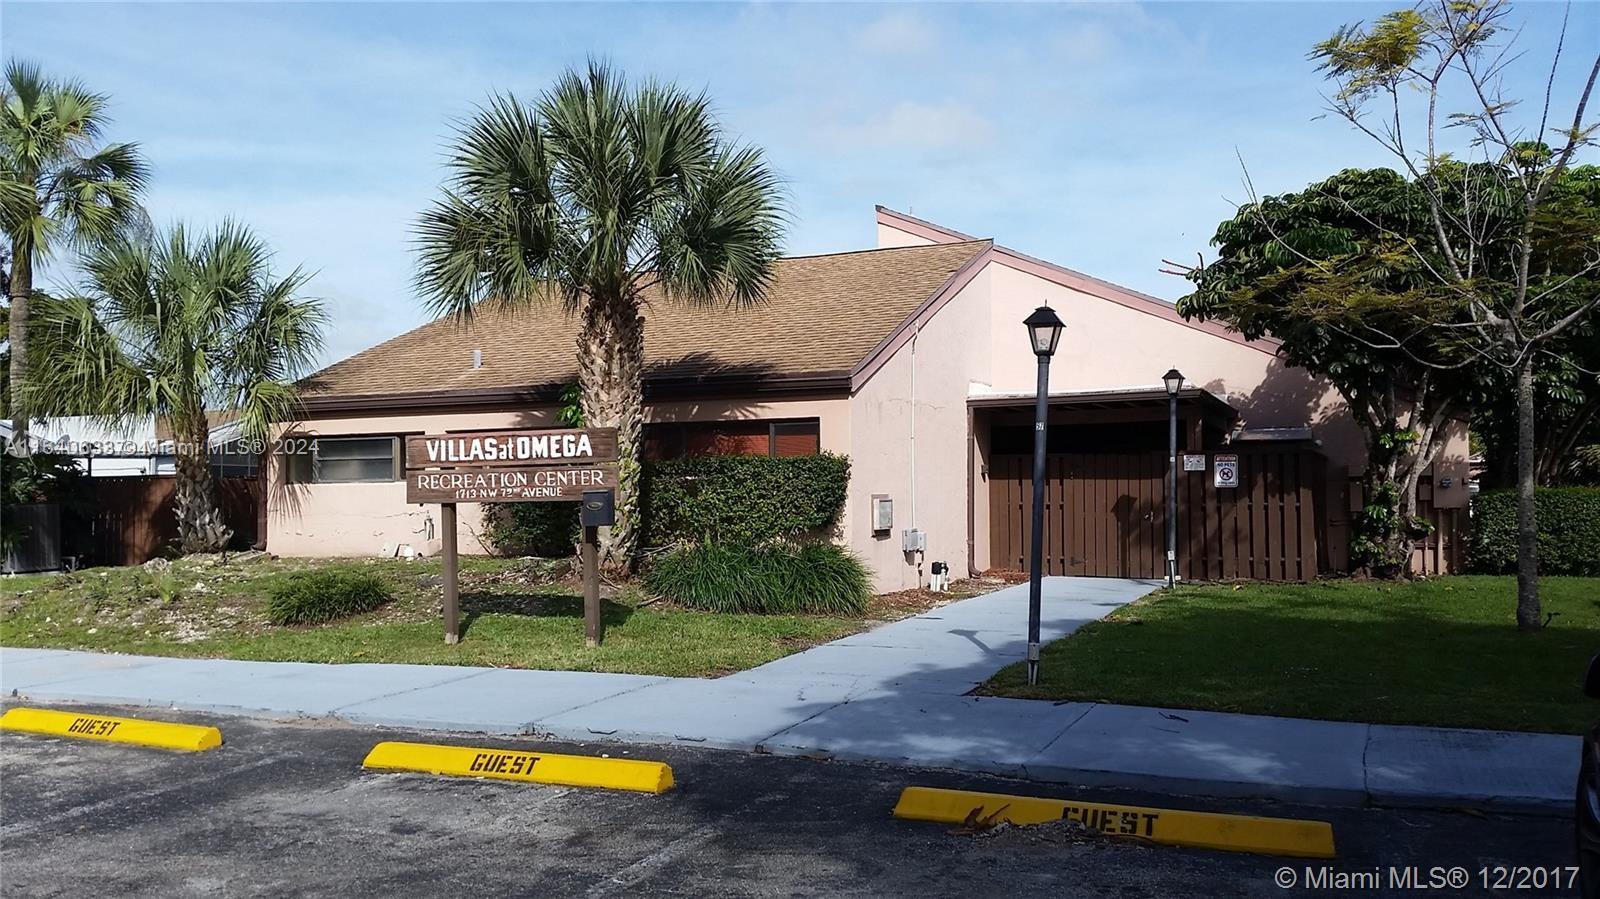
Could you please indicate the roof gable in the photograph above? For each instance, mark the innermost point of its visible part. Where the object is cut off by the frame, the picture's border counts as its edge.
(1075, 280)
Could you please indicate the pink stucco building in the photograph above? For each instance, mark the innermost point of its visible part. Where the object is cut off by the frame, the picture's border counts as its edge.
(910, 358)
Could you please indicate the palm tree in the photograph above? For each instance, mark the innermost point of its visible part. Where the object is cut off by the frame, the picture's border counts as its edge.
(56, 187)
(171, 326)
(584, 200)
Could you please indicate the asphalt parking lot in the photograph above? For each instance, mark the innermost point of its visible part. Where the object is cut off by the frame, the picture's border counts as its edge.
(286, 809)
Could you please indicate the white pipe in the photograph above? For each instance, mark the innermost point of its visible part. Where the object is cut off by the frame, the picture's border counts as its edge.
(914, 332)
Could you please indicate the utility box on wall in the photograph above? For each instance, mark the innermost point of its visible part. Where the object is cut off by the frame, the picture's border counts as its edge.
(882, 514)
(914, 540)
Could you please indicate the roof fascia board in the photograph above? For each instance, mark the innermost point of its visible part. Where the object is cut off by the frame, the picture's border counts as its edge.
(919, 227)
(655, 389)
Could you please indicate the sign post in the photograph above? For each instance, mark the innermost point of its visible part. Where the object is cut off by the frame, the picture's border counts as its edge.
(516, 467)
(598, 509)
(452, 581)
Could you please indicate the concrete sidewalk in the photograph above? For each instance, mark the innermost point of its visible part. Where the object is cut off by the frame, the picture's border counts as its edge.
(895, 694)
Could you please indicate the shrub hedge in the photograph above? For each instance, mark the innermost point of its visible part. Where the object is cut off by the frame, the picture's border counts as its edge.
(1569, 531)
(317, 597)
(725, 499)
(547, 530)
(772, 578)
(742, 499)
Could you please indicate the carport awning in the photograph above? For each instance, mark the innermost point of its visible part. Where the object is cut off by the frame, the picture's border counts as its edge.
(1114, 398)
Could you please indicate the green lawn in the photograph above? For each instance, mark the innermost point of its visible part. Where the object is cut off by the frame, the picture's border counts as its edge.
(1444, 652)
(515, 613)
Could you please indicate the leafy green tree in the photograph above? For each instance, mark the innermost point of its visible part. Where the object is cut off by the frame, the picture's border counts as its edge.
(1324, 271)
(58, 187)
(169, 327)
(1515, 302)
(580, 203)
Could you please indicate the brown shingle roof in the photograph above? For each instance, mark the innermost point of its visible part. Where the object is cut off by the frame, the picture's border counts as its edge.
(822, 316)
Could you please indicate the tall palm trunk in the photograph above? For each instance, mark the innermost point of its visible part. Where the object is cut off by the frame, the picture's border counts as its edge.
(201, 526)
(21, 293)
(611, 378)
(1528, 613)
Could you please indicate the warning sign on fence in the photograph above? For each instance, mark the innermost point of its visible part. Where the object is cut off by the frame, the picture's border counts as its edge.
(1225, 471)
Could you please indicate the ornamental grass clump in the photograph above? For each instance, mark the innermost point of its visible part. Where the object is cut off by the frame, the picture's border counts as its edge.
(317, 597)
(769, 579)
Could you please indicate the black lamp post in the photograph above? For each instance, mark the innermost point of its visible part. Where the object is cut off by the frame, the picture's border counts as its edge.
(1044, 332)
(1174, 381)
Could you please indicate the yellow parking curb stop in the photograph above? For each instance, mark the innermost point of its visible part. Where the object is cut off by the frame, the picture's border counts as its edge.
(83, 726)
(513, 764)
(1203, 830)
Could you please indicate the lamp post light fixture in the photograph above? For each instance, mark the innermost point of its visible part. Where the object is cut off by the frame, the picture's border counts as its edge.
(1174, 381)
(1044, 333)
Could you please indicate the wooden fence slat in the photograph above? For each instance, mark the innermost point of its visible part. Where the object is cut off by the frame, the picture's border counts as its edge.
(1106, 516)
(132, 519)
(1059, 519)
(1305, 520)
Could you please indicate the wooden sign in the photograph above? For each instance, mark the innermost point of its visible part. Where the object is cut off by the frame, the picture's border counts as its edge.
(486, 449)
(541, 483)
(511, 467)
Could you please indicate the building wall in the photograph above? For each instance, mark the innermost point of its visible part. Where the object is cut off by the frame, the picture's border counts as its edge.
(890, 236)
(910, 425)
(359, 519)
(1109, 345)
(976, 345)
(906, 426)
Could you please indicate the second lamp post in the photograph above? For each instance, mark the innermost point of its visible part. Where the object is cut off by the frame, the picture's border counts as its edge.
(1174, 381)
(1044, 332)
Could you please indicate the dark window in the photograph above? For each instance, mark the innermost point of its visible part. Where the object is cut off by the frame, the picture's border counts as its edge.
(796, 438)
(674, 440)
(344, 460)
(233, 461)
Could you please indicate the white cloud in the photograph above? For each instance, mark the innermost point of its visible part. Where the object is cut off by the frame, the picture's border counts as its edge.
(1084, 43)
(913, 125)
(899, 32)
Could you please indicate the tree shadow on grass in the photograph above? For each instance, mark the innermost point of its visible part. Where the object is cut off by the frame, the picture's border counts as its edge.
(547, 603)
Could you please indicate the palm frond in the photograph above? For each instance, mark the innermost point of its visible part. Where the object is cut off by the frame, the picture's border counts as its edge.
(80, 367)
(723, 241)
(175, 324)
(598, 189)
(492, 235)
(55, 184)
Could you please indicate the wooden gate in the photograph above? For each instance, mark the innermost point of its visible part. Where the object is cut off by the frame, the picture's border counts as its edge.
(132, 519)
(1105, 516)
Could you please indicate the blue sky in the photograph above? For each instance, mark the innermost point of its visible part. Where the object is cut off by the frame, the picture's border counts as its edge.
(1103, 137)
